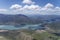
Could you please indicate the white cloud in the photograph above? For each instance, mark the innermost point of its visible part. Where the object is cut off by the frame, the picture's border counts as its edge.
(32, 7)
(25, 9)
(48, 9)
(35, 7)
(57, 8)
(3, 10)
(16, 6)
(28, 2)
(48, 6)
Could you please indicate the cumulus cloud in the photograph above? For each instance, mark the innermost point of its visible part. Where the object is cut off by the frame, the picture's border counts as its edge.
(3, 10)
(48, 9)
(16, 6)
(48, 6)
(57, 8)
(32, 7)
(28, 2)
(25, 9)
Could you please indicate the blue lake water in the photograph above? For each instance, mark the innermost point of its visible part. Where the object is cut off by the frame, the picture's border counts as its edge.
(12, 27)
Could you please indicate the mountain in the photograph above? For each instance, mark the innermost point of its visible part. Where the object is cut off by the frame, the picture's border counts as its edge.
(14, 19)
(27, 19)
(44, 18)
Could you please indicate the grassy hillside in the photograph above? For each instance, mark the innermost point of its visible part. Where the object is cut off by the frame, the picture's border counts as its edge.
(42, 36)
(55, 26)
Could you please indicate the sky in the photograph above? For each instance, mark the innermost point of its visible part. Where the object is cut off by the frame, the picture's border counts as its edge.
(42, 7)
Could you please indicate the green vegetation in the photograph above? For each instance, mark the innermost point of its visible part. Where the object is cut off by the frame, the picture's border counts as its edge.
(43, 36)
(55, 26)
(4, 38)
(29, 32)
(14, 35)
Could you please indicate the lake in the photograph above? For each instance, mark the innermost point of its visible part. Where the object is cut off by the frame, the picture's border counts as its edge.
(12, 27)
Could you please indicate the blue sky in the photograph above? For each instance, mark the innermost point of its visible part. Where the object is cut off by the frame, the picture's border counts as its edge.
(45, 7)
(8, 3)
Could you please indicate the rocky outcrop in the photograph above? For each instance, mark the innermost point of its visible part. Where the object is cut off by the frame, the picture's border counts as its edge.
(16, 35)
(24, 36)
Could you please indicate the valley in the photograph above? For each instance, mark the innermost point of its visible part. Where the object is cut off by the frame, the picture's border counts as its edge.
(23, 27)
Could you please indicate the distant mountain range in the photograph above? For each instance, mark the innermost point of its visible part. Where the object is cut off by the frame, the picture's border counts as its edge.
(13, 19)
(23, 19)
